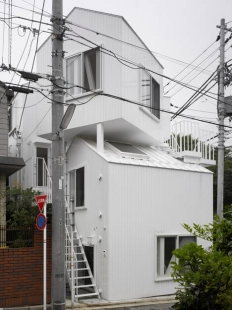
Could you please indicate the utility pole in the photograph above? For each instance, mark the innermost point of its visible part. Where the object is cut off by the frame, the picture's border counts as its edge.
(221, 116)
(58, 208)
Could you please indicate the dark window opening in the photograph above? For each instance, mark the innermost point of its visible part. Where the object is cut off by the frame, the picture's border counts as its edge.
(10, 118)
(89, 252)
(155, 104)
(42, 157)
(150, 94)
(80, 187)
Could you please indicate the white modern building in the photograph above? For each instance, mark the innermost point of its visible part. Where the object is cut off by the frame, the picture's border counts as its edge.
(131, 192)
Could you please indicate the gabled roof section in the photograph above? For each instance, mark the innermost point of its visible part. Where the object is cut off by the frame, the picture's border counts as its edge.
(113, 15)
(156, 158)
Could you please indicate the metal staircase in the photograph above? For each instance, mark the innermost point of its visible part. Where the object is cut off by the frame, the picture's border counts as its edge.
(79, 274)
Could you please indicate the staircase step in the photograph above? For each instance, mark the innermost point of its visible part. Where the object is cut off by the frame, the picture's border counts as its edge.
(79, 278)
(83, 286)
(86, 295)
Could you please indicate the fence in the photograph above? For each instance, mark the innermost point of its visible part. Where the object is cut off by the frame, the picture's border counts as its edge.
(16, 237)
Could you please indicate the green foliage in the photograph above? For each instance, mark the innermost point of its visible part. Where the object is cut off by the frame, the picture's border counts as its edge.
(21, 208)
(205, 275)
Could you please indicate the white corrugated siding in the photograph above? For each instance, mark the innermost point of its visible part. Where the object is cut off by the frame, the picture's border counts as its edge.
(136, 202)
(145, 201)
(88, 221)
(117, 79)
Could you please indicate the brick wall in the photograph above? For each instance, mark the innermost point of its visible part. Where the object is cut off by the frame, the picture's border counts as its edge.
(21, 273)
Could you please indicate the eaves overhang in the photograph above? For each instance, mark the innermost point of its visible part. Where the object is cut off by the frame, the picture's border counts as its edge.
(10, 165)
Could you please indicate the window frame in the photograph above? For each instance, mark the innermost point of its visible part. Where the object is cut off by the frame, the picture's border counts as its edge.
(159, 278)
(127, 154)
(84, 206)
(83, 93)
(148, 109)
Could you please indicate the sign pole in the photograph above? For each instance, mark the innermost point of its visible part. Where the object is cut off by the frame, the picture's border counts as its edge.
(41, 223)
(45, 259)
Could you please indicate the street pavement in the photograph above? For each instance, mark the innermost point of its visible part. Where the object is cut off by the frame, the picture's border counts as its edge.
(144, 307)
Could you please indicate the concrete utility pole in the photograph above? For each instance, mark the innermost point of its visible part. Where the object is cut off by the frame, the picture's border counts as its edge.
(221, 116)
(58, 207)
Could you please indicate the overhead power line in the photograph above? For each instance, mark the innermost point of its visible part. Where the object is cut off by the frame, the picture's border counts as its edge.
(191, 63)
(125, 61)
(188, 103)
(136, 46)
(33, 62)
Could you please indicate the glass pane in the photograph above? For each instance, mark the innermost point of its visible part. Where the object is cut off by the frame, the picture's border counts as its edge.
(126, 148)
(170, 245)
(70, 74)
(165, 246)
(92, 70)
(186, 239)
(155, 99)
(80, 187)
(146, 89)
(73, 74)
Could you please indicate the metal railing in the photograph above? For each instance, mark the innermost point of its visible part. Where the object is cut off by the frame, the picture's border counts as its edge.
(16, 237)
(187, 136)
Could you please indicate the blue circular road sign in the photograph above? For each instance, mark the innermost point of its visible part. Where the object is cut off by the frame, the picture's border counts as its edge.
(41, 221)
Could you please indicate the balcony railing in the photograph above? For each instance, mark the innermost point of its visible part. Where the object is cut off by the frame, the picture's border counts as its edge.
(192, 144)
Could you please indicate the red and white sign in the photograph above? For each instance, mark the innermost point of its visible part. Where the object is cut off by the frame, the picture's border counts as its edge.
(41, 199)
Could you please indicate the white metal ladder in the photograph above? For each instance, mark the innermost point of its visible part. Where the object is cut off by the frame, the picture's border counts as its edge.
(79, 274)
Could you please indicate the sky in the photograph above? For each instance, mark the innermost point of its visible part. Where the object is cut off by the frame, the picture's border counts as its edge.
(177, 31)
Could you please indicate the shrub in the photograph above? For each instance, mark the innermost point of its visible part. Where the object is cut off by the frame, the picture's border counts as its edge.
(205, 275)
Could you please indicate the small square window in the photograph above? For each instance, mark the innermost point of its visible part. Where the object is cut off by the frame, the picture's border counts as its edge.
(165, 246)
(83, 70)
(150, 93)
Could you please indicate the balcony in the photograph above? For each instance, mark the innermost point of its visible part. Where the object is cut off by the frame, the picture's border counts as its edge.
(191, 144)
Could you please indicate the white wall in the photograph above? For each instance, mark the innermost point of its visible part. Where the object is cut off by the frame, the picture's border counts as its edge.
(143, 202)
(88, 221)
(117, 79)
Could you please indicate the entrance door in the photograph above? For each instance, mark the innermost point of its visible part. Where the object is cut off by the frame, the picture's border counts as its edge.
(42, 155)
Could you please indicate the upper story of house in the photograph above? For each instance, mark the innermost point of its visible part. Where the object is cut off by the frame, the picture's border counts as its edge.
(110, 64)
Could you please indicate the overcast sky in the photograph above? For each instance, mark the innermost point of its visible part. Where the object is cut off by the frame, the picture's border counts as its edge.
(177, 29)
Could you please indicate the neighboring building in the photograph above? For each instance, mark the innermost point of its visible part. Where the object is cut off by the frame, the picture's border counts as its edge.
(130, 194)
(8, 165)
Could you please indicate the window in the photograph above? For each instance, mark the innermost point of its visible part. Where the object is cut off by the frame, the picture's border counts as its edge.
(165, 245)
(10, 118)
(83, 70)
(77, 187)
(127, 150)
(41, 161)
(150, 93)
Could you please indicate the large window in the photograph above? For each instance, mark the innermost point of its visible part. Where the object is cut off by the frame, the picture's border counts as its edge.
(150, 93)
(77, 187)
(83, 70)
(165, 245)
